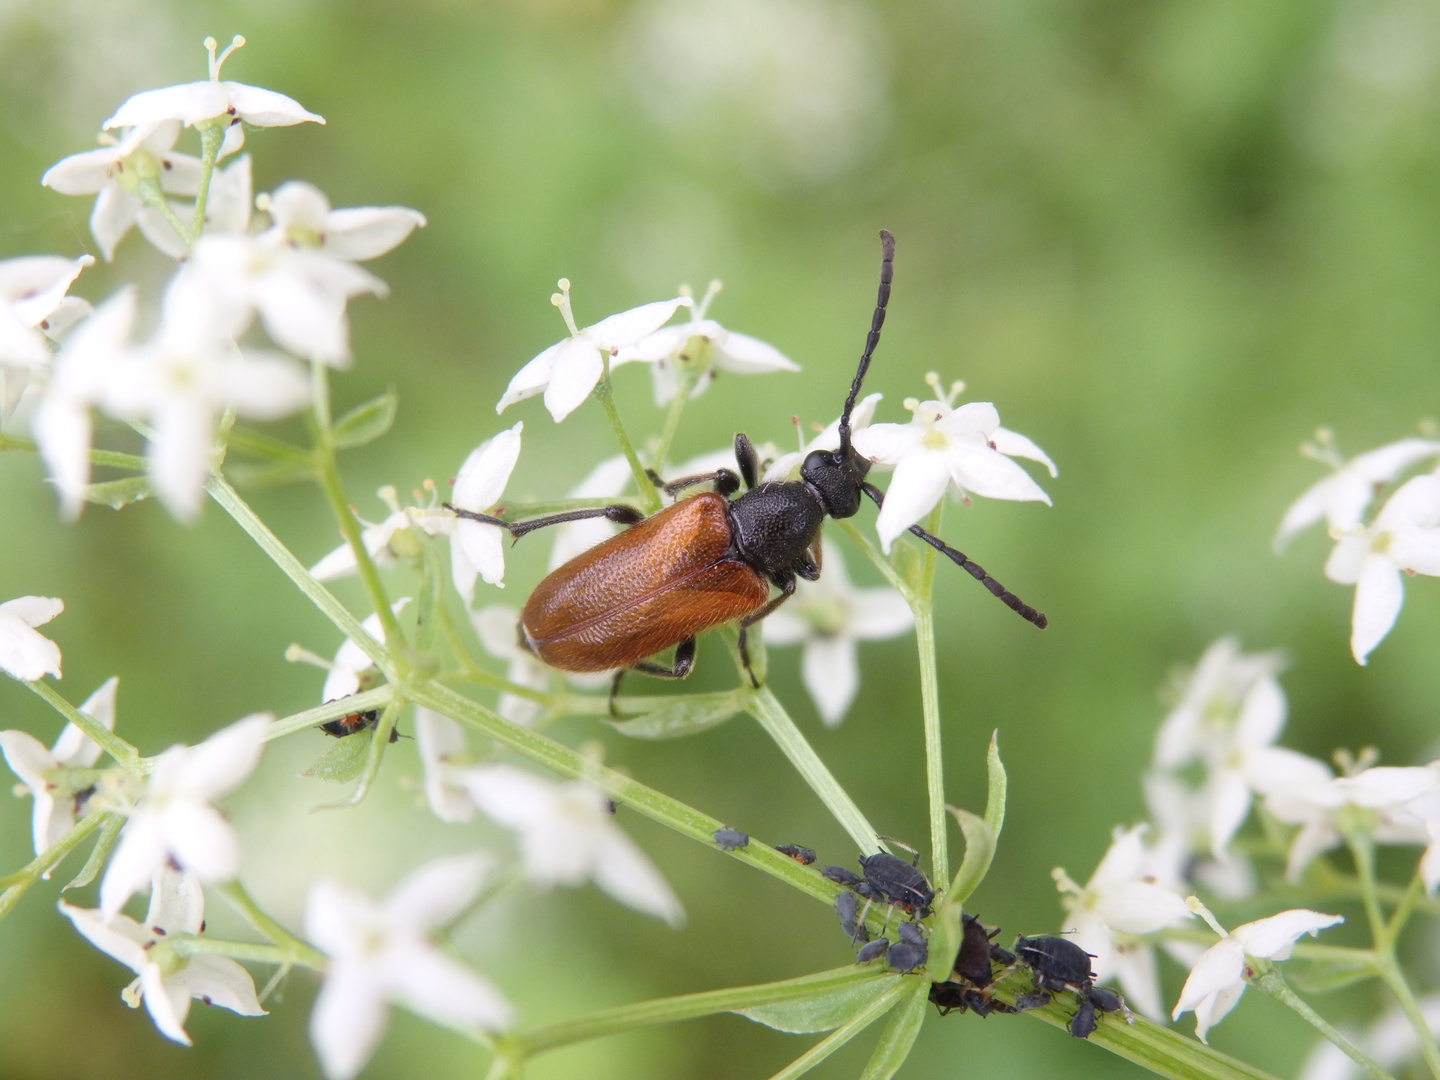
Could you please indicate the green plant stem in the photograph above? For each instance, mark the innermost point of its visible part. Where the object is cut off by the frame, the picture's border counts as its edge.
(871, 552)
(1405, 997)
(626, 792)
(649, 494)
(330, 484)
(1363, 852)
(1273, 983)
(332, 710)
(684, 1007)
(230, 501)
(684, 384)
(766, 708)
(13, 886)
(862, 1019)
(924, 608)
(297, 950)
(236, 950)
(1405, 908)
(123, 753)
(150, 194)
(210, 140)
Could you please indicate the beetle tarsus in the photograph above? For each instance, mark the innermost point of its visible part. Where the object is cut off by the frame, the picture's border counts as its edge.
(725, 481)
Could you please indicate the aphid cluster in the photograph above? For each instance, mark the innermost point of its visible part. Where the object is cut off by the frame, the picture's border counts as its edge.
(1060, 964)
(974, 974)
(887, 879)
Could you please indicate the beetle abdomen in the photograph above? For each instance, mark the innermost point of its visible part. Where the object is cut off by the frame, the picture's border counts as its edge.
(638, 593)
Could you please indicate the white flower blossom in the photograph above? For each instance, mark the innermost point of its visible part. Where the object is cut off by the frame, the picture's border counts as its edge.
(1396, 805)
(706, 345)
(382, 952)
(1403, 538)
(174, 823)
(567, 834)
(944, 448)
(377, 538)
(475, 547)
(166, 981)
(1342, 497)
(787, 466)
(58, 803)
(26, 654)
(33, 306)
(352, 662)
(568, 370)
(1218, 978)
(444, 754)
(828, 617)
(112, 174)
(1121, 900)
(300, 272)
(191, 103)
(496, 628)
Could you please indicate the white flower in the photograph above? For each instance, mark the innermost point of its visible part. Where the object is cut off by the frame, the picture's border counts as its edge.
(377, 538)
(352, 662)
(787, 466)
(167, 981)
(607, 480)
(25, 654)
(1343, 496)
(1404, 538)
(829, 616)
(382, 952)
(440, 742)
(33, 305)
(475, 547)
(300, 272)
(191, 103)
(569, 370)
(1218, 979)
(496, 628)
(112, 174)
(1232, 712)
(963, 450)
(174, 823)
(1121, 900)
(704, 345)
(58, 803)
(1396, 805)
(567, 833)
(183, 379)
(1182, 816)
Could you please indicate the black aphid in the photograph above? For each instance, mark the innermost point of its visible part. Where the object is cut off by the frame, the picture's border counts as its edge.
(876, 948)
(847, 908)
(907, 957)
(898, 882)
(974, 973)
(842, 876)
(730, 839)
(1059, 964)
(803, 855)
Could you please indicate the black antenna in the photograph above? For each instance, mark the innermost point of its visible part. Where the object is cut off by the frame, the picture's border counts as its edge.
(975, 570)
(887, 274)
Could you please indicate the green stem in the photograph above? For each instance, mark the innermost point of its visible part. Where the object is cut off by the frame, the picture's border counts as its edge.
(230, 501)
(923, 607)
(210, 140)
(1273, 983)
(331, 710)
(766, 708)
(684, 384)
(297, 950)
(1405, 908)
(150, 194)
(1363, 852)
(871, 552)
(17, 884)
(649, 494)
(866, 1016)
(236, 950)
(623, 1018)
(626, 792)
(96, 732)
(330, 484)
(108, 458)
(1395, 979)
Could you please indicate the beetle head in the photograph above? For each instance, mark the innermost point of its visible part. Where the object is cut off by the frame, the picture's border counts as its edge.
(837, 476)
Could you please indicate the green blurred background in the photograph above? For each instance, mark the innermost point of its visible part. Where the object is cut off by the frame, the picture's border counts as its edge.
(1168, 239)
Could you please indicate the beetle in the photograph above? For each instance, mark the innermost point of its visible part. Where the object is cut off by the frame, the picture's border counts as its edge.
(354, 724)
(710, 558)
(1061, 964)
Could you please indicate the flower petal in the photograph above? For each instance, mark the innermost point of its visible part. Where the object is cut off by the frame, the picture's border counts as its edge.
(920, 480)
(434, 985)
(746, 355)
(1378, 597)
(487, 470)
(1013, 444)
(138, 856)
(578, 368)
(990, 473)
(879, 613)
(1274, 938)
(74, 747)
(266, 108)
(438, 740)
(26, 654)
(1220, 968)
(532, 378)
(628, 327)
(832, 675)
(218, 980)
(222, 762)
(435, 893)
(349, 1018)
(627, 874)
(121, 938)
(364, 232)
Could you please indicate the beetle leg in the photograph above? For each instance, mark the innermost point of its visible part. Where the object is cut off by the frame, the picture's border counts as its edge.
(725, 481)
(975, 570)
(684, 662)
(747, 459)
(619, 513)
(786, 581)
(807, 569)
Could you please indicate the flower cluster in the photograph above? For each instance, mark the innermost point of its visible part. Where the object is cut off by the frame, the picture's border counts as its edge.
(1403, 537)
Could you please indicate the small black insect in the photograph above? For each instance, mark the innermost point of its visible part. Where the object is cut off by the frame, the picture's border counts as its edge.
(876, 948)
(1060, 964)
(847, 878)
(911, 951)
(803, 855)
(974, 973)
(730, 839)
(354, 724)
(847, 908)
(897, 882)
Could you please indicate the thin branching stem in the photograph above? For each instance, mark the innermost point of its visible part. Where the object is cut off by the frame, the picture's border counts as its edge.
(1273, 983)
(649, 494)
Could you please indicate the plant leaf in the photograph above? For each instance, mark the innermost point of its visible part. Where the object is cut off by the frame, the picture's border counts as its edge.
(998, 783)
(366, 423)
(899, 1034)
(344, 761)
(98, 854)
(118, 493)
(688, 715)
(843, 1034)
(824, 1011)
